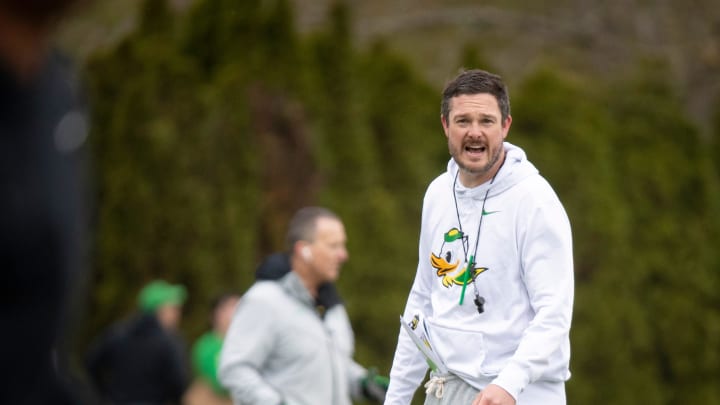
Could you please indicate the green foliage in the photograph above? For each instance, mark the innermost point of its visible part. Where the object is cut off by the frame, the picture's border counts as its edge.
(212, 128)
(673, 201)
(564, 129)
(167, 206)
(472, 58)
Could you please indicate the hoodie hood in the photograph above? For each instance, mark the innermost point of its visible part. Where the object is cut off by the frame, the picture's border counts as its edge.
(515, 169)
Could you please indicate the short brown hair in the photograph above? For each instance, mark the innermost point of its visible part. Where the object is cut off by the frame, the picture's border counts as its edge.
(303, 223)
(476, 81)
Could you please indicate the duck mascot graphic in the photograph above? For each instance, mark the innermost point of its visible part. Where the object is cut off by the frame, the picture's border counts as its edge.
(447, 262)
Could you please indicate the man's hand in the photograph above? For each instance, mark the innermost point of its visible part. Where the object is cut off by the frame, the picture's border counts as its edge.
(374, 386)
(493, 395)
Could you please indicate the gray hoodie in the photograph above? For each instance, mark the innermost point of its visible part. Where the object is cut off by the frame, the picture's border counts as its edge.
(279, 350)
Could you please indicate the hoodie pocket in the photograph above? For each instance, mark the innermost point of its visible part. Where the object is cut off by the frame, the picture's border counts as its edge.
(462, 351)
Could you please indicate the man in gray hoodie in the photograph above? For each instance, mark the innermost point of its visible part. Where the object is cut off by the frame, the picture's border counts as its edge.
(280, 348)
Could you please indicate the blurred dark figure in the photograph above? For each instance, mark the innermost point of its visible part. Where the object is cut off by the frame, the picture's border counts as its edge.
(43, 227)
(206, 389)
(142, 360)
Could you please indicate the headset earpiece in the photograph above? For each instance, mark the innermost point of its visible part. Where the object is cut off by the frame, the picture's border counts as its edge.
(306, 253)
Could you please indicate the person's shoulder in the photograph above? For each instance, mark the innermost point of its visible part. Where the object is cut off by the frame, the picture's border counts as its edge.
(205, 339)
(263, 290)
(121, 328)
(264, 299)
(207, 342)
(537, 184)
(535, 192)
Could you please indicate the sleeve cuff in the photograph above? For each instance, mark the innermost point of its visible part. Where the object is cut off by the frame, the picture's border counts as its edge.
(512, 379)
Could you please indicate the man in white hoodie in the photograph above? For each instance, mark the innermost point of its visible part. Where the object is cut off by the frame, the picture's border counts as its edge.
(494, 283)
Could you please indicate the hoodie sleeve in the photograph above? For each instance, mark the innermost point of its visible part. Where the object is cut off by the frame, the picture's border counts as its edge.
(545, 244)
(409, 366)
(247, 345)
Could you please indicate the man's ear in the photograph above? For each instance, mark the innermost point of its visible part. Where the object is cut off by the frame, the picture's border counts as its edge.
(444, 123)
(506, 126)
(302, 250)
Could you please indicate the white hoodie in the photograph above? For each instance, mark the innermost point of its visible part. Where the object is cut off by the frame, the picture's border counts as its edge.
(524, 270)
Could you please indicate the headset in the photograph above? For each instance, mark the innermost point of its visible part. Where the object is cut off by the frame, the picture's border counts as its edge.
(306, 253)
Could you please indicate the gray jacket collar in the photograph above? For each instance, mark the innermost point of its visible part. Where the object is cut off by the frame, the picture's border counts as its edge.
(294, 287)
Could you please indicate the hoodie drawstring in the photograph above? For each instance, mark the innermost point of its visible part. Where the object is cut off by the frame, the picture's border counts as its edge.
(435, 386)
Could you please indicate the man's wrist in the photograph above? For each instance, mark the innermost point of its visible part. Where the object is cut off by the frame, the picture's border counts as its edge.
(512, 379)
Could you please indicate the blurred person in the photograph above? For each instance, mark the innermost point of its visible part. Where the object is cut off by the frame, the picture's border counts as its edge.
(43, 218)
(328, 301)
(142, 360)
(206, 389)
(337, 321)
(279, 348)
(494, 284)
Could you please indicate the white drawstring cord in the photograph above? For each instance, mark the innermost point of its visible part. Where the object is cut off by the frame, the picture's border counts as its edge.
(435, 384)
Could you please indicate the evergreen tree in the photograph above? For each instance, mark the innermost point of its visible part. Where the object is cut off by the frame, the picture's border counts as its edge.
(210, 129)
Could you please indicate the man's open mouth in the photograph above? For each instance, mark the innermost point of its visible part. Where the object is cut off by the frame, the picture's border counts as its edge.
(475, 149)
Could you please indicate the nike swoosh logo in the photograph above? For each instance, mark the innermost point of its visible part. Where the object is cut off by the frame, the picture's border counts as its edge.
(488, 212)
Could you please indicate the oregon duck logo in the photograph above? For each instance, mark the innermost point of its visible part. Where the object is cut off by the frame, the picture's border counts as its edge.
(414, 323)
(447, 261)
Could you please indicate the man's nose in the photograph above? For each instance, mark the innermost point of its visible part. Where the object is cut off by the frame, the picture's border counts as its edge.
(343, 255)
(476, 129)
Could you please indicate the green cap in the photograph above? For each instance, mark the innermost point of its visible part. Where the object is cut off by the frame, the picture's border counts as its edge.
(453, 235)
(159, 293)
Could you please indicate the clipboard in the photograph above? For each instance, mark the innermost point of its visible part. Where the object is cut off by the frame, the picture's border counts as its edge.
(418, 333)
